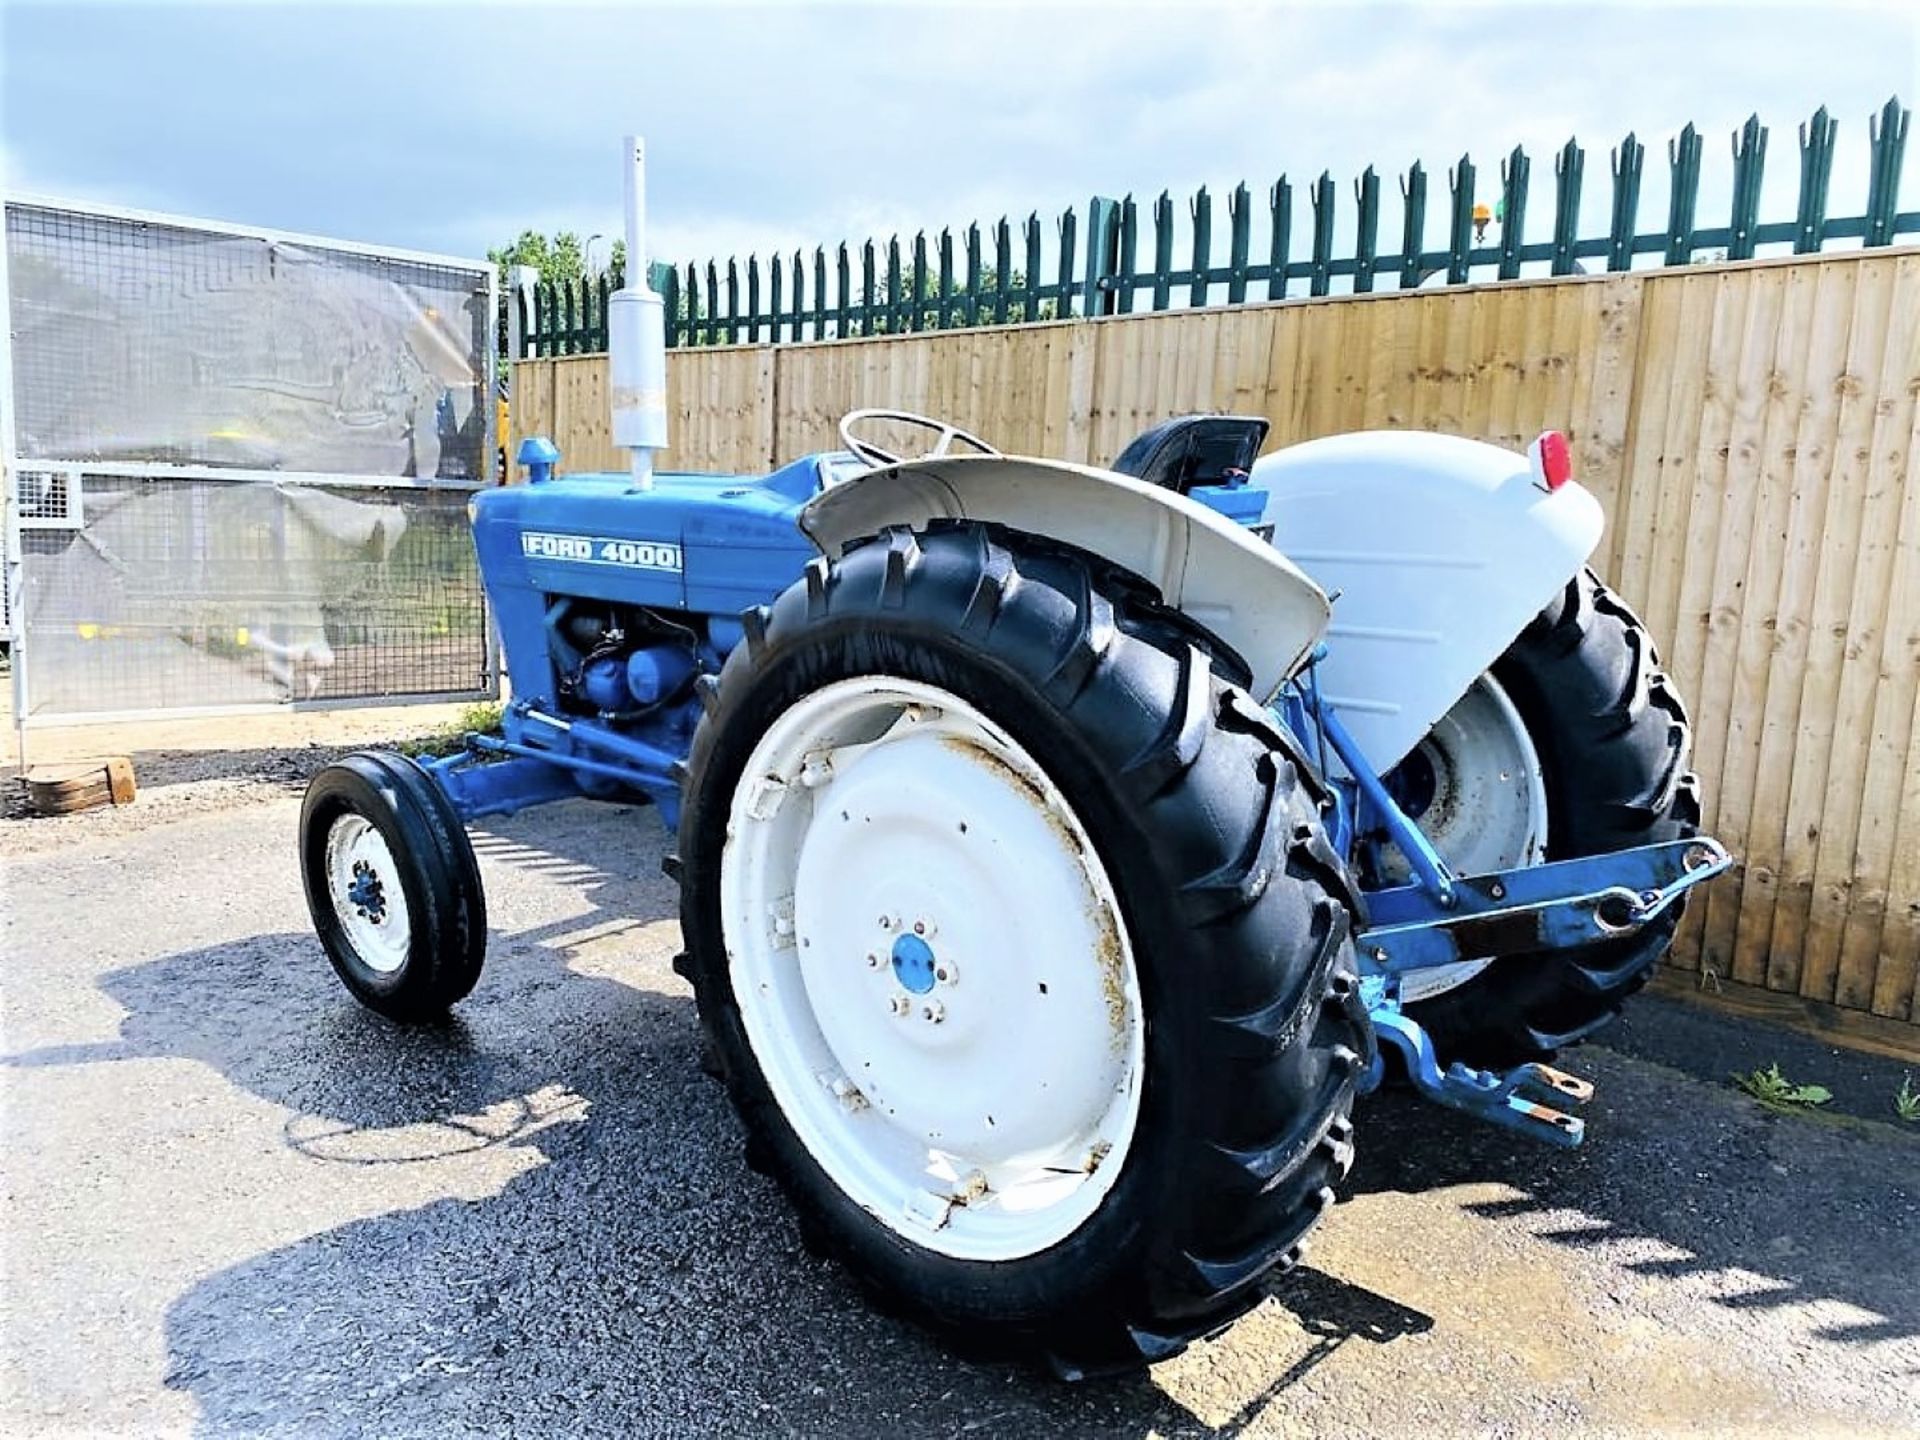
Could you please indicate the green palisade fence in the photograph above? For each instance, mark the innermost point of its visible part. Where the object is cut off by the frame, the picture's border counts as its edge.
(991, 280)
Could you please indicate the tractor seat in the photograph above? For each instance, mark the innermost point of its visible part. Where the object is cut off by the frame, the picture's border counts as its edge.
(1192, 450)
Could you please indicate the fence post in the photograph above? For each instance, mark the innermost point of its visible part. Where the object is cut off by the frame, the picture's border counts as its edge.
(1103, 257)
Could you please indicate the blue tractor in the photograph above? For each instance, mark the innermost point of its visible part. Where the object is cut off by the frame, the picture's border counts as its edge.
(1061, 849)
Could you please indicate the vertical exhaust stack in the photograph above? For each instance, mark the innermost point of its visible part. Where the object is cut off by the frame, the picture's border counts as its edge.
(637, 336)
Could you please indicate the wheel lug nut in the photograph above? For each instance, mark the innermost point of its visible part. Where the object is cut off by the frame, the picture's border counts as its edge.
(933, 1012)
(900, 1005)
(873, 961)
(946, 973)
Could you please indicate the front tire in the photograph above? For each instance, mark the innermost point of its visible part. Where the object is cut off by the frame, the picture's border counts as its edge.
(392, 885)
(899, 717)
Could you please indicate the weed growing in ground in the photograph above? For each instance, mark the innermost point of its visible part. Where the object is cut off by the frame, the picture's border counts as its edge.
(1906, 1101)
(482, 719)
(1775, 1091)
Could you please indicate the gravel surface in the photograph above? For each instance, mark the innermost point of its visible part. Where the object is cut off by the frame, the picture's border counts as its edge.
(233, 1202)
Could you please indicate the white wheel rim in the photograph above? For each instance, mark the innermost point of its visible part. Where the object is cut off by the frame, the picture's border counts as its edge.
(1488, 811)
(932, 969)
(363, 883)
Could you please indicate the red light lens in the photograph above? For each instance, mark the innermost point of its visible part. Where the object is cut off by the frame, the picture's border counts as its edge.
(1554, 456)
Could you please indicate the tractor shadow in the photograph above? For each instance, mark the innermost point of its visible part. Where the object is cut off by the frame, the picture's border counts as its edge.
(1686, 1182)
(631, 1275)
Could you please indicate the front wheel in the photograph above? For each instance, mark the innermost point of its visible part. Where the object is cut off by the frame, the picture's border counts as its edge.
(1573, 744)
(1021, 948)
(392, 885)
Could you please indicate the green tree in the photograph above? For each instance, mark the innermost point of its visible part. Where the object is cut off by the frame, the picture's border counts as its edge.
(560, 259)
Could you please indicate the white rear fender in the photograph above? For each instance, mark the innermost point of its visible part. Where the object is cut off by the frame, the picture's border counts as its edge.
(1251, 596)
(1438, 552)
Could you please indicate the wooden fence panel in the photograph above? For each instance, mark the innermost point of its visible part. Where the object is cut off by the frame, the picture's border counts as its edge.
(1749, 428)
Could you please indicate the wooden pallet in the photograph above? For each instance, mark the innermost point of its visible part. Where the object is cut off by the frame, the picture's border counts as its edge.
(80, 785)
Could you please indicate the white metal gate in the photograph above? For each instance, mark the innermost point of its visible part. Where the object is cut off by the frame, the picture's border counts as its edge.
(237, 465)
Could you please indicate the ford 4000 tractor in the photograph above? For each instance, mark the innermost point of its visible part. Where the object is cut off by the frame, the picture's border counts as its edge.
(1061, 849)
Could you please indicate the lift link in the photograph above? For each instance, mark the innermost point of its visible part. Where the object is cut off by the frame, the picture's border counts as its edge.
(1553, 906)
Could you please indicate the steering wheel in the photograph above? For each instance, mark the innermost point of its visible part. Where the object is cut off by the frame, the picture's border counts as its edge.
(874, 455)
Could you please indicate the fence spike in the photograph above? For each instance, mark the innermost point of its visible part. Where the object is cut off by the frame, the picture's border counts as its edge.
(1279, 236)
(843, 263)
(1069, 233)
(1460, 229)
(1749, 163)
(1163, 251)
(1512, 219)
(1816, 171)
(1322, 196)
(774, 294)
(868, 282)
(894, 317)
(1366, 242)
(753, 300)
(1127, 267)
(917, 300)
(1200, 208)
(1683, 160)
(1568, 168)
(819, 292)
(1887, 142)
(1002, 264)
(1629, 160)
(970, 297)
(1030, 290)
(1239, 241)
(1413, 239)
(943, 314)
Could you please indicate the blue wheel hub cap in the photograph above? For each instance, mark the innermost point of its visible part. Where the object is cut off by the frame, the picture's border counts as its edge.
(366, 894)
(913, 963)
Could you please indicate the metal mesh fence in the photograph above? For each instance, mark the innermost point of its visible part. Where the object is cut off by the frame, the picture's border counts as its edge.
(238, 465)
(193, 593)
(139, 341)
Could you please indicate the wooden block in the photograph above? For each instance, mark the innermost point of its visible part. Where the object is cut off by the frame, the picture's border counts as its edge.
(81, 785)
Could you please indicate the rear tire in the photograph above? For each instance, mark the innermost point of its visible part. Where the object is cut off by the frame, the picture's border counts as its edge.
(392, 885)
(1234, 910)
(1613, 742)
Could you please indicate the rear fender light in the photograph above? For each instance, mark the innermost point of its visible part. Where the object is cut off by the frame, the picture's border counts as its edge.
(1552, 460)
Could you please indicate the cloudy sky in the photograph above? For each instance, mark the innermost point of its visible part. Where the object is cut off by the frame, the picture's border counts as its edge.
(453, 127)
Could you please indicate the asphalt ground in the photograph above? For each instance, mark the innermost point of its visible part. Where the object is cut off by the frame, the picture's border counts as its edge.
(231, 1202)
